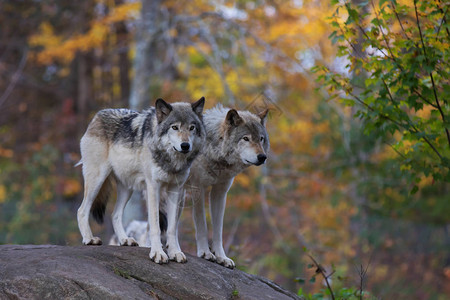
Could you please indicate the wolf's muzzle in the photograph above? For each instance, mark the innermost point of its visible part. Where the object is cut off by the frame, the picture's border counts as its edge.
(261, 159)
(185, 147)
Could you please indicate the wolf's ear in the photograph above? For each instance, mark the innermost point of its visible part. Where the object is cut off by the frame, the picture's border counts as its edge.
(233, 119)
(263, 116)
(197, 107)
(163, 109)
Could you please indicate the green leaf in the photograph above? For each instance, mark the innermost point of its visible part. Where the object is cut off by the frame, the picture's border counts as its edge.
(380, 4)
(353, 15)
(300, 280)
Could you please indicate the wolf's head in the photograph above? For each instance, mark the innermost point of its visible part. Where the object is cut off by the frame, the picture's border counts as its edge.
(247, 135)
(180, 125)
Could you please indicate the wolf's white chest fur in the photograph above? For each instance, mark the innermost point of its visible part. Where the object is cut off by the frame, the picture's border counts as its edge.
(132, 166)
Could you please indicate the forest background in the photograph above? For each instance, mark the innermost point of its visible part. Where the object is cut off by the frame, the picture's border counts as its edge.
(357, 181)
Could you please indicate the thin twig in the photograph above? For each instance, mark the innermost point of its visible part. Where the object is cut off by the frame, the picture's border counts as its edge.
(400, 22)
(362, 275)
(384, 37)
(410, 124)
(321, 270)
(15, 77)
(444, 19)
(424, 99)
(372, 109)
(442, 22)
(392, 147)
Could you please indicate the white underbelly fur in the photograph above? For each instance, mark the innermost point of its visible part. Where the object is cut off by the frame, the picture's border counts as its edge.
(128, 166)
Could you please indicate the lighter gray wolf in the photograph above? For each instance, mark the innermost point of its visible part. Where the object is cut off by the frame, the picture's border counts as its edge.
(235, 140)
(149, 151)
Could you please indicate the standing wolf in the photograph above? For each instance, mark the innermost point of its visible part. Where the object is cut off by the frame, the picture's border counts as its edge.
(235, 140)
(151, 151)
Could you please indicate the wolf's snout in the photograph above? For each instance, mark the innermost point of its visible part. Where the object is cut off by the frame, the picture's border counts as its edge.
(185, 147)
(261, 158)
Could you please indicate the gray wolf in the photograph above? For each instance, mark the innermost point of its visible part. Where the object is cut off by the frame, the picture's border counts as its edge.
(150, 151)
(235, 140)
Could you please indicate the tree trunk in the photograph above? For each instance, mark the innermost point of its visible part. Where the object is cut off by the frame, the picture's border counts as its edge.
(146, 55)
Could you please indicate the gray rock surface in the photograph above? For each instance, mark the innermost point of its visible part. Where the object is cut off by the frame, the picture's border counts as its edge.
(109, 272)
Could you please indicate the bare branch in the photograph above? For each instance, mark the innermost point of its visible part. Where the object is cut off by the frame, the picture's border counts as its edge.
(15, 77)
(322, 271)
(442, 22)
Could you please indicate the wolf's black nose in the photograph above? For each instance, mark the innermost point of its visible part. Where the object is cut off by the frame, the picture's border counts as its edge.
(185, 146)
(261, 158)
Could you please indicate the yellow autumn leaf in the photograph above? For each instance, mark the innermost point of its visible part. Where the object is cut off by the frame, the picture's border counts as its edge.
(71, 187)
(243, 180)
(2, 194)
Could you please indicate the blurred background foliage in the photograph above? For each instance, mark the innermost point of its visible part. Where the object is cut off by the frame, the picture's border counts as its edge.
(330, 188)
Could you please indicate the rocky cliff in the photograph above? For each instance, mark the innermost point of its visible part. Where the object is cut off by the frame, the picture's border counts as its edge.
(109, 272)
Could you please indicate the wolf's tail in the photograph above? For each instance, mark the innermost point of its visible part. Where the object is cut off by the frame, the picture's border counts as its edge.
(99, 205)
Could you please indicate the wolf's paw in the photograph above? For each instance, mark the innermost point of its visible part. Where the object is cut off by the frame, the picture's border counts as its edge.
(178, 257)
(206, 255)
(159, 257)
(95, 241)
(128, 242)
(225, 261)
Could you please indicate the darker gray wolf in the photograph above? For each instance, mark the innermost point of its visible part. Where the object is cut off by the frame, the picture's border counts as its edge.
(235, 140)
(150, 151)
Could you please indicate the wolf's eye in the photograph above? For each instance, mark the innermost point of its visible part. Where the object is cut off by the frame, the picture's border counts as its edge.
(192, 127)
(245, 139)
(262, 139)
(174, 127)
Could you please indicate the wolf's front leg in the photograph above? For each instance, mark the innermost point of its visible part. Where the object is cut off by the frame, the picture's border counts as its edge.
(201, 229)
(218, 200)
(157, 253)
(174, 200)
